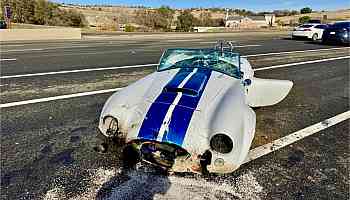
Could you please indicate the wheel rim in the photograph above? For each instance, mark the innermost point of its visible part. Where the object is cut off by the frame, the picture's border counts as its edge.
(314, 37)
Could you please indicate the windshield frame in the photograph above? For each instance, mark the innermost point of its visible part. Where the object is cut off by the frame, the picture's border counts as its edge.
(240, 74)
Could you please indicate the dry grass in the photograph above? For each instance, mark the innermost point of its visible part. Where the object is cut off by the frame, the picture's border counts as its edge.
(332, 16)
(107, 15)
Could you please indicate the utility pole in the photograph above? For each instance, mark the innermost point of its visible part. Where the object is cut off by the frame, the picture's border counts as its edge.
(8, 16)
(227, 10)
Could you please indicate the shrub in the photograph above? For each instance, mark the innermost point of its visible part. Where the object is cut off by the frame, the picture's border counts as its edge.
(129, 28)
(304, 19)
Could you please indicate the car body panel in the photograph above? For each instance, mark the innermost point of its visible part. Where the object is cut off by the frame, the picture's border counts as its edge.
(267, 92)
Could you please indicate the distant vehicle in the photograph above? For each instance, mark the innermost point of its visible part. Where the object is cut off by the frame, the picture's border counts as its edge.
(309, 31)
(337, 33)
(3, 24)
(193, 114)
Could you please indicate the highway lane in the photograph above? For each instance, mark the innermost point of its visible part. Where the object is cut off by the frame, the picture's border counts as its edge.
(48, 85)
(51, 142)
(34, 58)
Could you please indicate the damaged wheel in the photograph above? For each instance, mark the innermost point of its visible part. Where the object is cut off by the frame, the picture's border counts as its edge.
(205, 160)
(130, 156)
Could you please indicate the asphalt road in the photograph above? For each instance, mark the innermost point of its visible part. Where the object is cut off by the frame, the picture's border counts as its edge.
(43, 57)
(46, 148)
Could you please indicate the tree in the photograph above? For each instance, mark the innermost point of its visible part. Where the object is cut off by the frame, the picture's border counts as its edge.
(163, 18)
(304, 19)
(160, 18)
(22, 10)
(42, 12)
(305, 10)
(205, 19)
(185, 21)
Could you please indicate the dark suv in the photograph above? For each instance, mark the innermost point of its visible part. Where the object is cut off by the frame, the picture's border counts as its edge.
(3, 24)
(337, 33)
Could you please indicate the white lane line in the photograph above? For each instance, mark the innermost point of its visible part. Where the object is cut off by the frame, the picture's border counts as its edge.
(181, 40)
(44, 49)
(76, 71)
(248, 45)
(290, 52)
(8, 59)
(294, 137)
(239, 46)
(13, 45)
(22, 50)
(68, 96)
(301, 63)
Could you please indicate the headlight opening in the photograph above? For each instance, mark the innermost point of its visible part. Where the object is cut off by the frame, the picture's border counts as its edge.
(111, 126)
(221, 143)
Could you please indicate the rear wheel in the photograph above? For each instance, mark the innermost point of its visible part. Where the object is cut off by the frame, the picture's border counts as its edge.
(314, 37)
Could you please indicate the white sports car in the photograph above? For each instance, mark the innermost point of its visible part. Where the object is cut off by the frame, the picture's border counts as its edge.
(193, 114)
(309, 31)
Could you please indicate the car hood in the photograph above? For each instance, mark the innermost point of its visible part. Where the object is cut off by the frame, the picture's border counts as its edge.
(190, 86)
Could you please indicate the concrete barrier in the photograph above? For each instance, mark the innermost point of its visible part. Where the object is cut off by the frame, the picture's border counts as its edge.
(40, 34)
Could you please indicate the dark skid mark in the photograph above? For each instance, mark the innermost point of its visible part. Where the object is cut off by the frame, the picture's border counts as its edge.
(47, 148)
(64, 157)
(74, 138)
(296, 157)
(6, 179)
(79, 129)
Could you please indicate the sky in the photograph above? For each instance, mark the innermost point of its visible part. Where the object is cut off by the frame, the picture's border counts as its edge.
(254, 5)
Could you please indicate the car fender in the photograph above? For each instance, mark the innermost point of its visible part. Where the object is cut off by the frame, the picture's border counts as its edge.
(267, 92)
(229, 114)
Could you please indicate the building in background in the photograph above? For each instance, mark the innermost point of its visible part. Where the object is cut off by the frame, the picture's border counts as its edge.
(250, 22)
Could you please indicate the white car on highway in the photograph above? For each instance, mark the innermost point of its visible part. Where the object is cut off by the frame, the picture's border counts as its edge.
(309, 31)
(193, 114)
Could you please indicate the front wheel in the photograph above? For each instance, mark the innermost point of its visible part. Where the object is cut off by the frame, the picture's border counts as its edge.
(314, 37)
(130, 156)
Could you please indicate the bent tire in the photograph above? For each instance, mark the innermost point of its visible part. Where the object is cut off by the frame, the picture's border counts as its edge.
(130, 157)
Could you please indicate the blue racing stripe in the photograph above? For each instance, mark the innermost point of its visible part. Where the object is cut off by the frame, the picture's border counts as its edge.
(156, 113)
(182, 115)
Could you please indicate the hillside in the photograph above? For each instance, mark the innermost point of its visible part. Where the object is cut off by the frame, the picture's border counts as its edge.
(332, 16)
(96, 16)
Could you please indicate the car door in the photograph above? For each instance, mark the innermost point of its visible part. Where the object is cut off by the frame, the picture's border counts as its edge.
(267, 92)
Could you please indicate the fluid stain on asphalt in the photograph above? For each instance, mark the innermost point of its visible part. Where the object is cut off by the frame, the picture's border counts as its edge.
(295, 157)
(74, 138)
